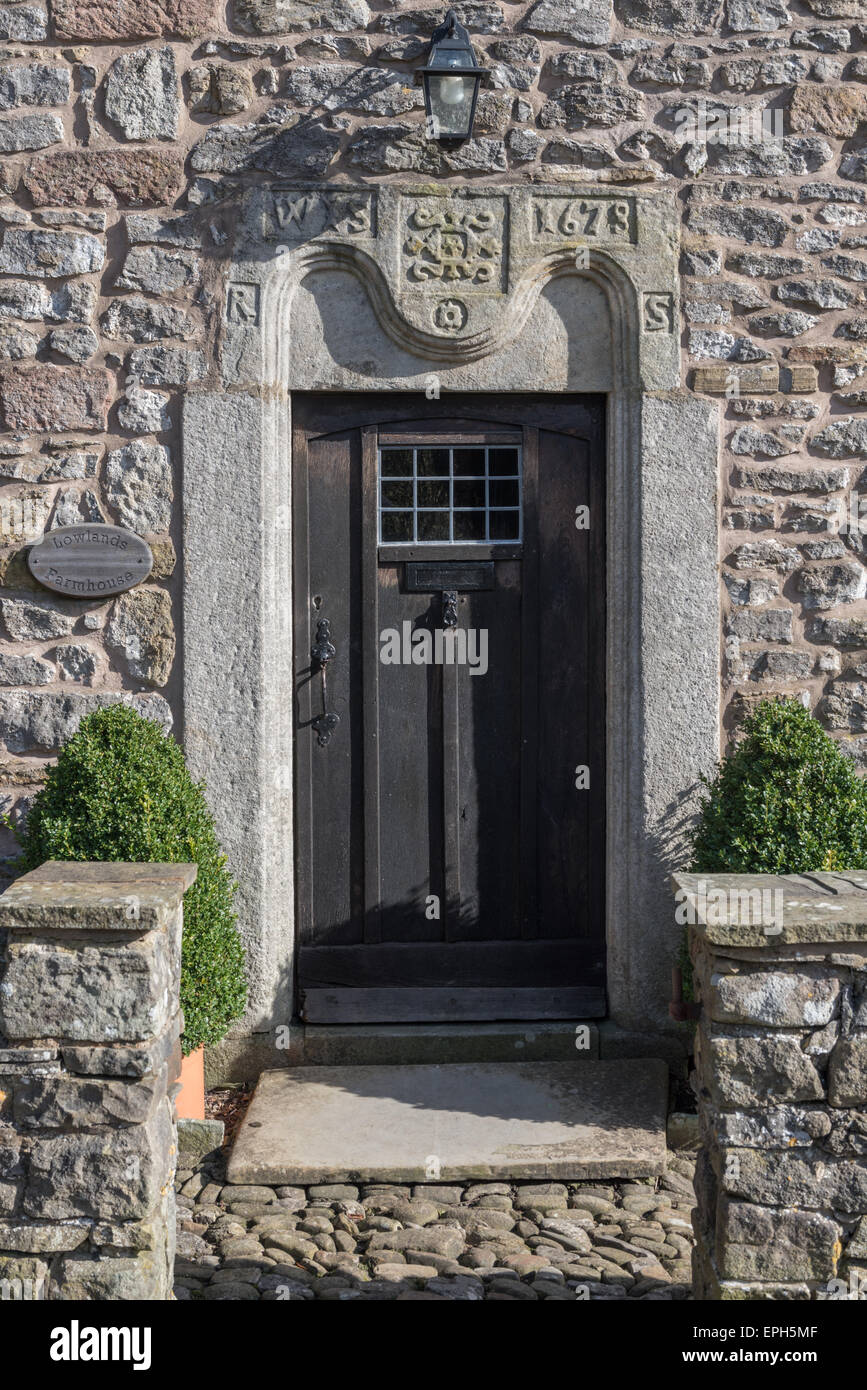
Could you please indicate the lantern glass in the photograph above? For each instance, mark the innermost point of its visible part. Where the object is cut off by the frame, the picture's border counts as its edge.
(451, 97)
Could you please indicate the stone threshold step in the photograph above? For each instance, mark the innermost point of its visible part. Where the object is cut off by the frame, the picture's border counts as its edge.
(497, 1121)
(359, 1044)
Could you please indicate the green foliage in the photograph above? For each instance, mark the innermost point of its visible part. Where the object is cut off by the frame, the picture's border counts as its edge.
(785, 800)
(684, 960)
(121, 791)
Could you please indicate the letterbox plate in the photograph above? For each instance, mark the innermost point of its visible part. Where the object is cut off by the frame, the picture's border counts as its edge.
(427, 577)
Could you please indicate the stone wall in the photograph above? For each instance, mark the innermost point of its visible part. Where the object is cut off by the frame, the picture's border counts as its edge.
(781, 1079)
(129, 133)
(89, 1054)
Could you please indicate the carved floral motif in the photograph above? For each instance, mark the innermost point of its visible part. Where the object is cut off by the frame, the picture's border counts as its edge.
(454, 244)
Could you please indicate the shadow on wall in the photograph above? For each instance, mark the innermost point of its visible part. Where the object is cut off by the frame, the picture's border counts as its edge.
(669, 849)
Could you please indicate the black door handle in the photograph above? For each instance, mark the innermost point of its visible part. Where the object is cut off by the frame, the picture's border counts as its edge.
(323, 651)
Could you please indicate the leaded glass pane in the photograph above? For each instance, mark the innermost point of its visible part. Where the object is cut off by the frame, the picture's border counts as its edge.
(449, 494)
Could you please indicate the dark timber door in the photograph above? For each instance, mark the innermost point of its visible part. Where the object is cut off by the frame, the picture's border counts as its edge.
(449, 663)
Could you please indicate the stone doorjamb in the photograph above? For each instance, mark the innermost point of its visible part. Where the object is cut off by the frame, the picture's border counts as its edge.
(490, 289)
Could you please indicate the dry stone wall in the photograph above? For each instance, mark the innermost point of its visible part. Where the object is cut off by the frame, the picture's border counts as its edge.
(128, 132)
(781, 1080)
(89, 1055)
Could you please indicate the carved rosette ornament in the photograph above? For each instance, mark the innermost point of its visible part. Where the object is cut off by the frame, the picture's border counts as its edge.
(450, 315)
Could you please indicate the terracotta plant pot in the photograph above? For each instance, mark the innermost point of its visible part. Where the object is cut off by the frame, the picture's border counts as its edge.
(190, 1101)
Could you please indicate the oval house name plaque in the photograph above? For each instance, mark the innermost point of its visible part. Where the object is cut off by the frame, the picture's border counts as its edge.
(90, 561)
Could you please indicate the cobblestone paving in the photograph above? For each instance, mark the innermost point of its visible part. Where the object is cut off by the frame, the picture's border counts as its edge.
(525, 1240)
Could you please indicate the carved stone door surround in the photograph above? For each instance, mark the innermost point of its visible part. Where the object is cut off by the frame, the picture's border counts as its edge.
(438, 288)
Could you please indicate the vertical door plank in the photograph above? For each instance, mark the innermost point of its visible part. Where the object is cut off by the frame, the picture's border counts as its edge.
(489, 770)
(370, 683)
(451, 799)
(531, 629)
(569, 593)
(597, 699)
(410, 768)
(333, 853)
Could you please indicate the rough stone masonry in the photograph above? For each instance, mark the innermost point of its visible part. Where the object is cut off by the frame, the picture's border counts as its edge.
(128, 135)
(89, 1056)
(781, 1079)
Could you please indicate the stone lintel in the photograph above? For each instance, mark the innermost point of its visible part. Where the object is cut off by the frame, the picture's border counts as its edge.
(767, 911)
(113, 897)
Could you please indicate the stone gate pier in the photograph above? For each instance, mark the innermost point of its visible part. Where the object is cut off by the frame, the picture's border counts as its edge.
(89, 1055)
(781, 1069)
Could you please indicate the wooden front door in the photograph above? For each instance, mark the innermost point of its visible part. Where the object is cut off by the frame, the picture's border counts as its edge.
(449, 662)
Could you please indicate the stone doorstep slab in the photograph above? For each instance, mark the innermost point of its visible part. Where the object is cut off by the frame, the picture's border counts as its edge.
(498, 1120)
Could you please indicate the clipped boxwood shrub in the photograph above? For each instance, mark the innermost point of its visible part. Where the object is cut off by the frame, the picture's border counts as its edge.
(121, 791)
(785, 800)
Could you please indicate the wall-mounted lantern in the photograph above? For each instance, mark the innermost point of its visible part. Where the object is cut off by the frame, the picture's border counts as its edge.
(451, 78)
